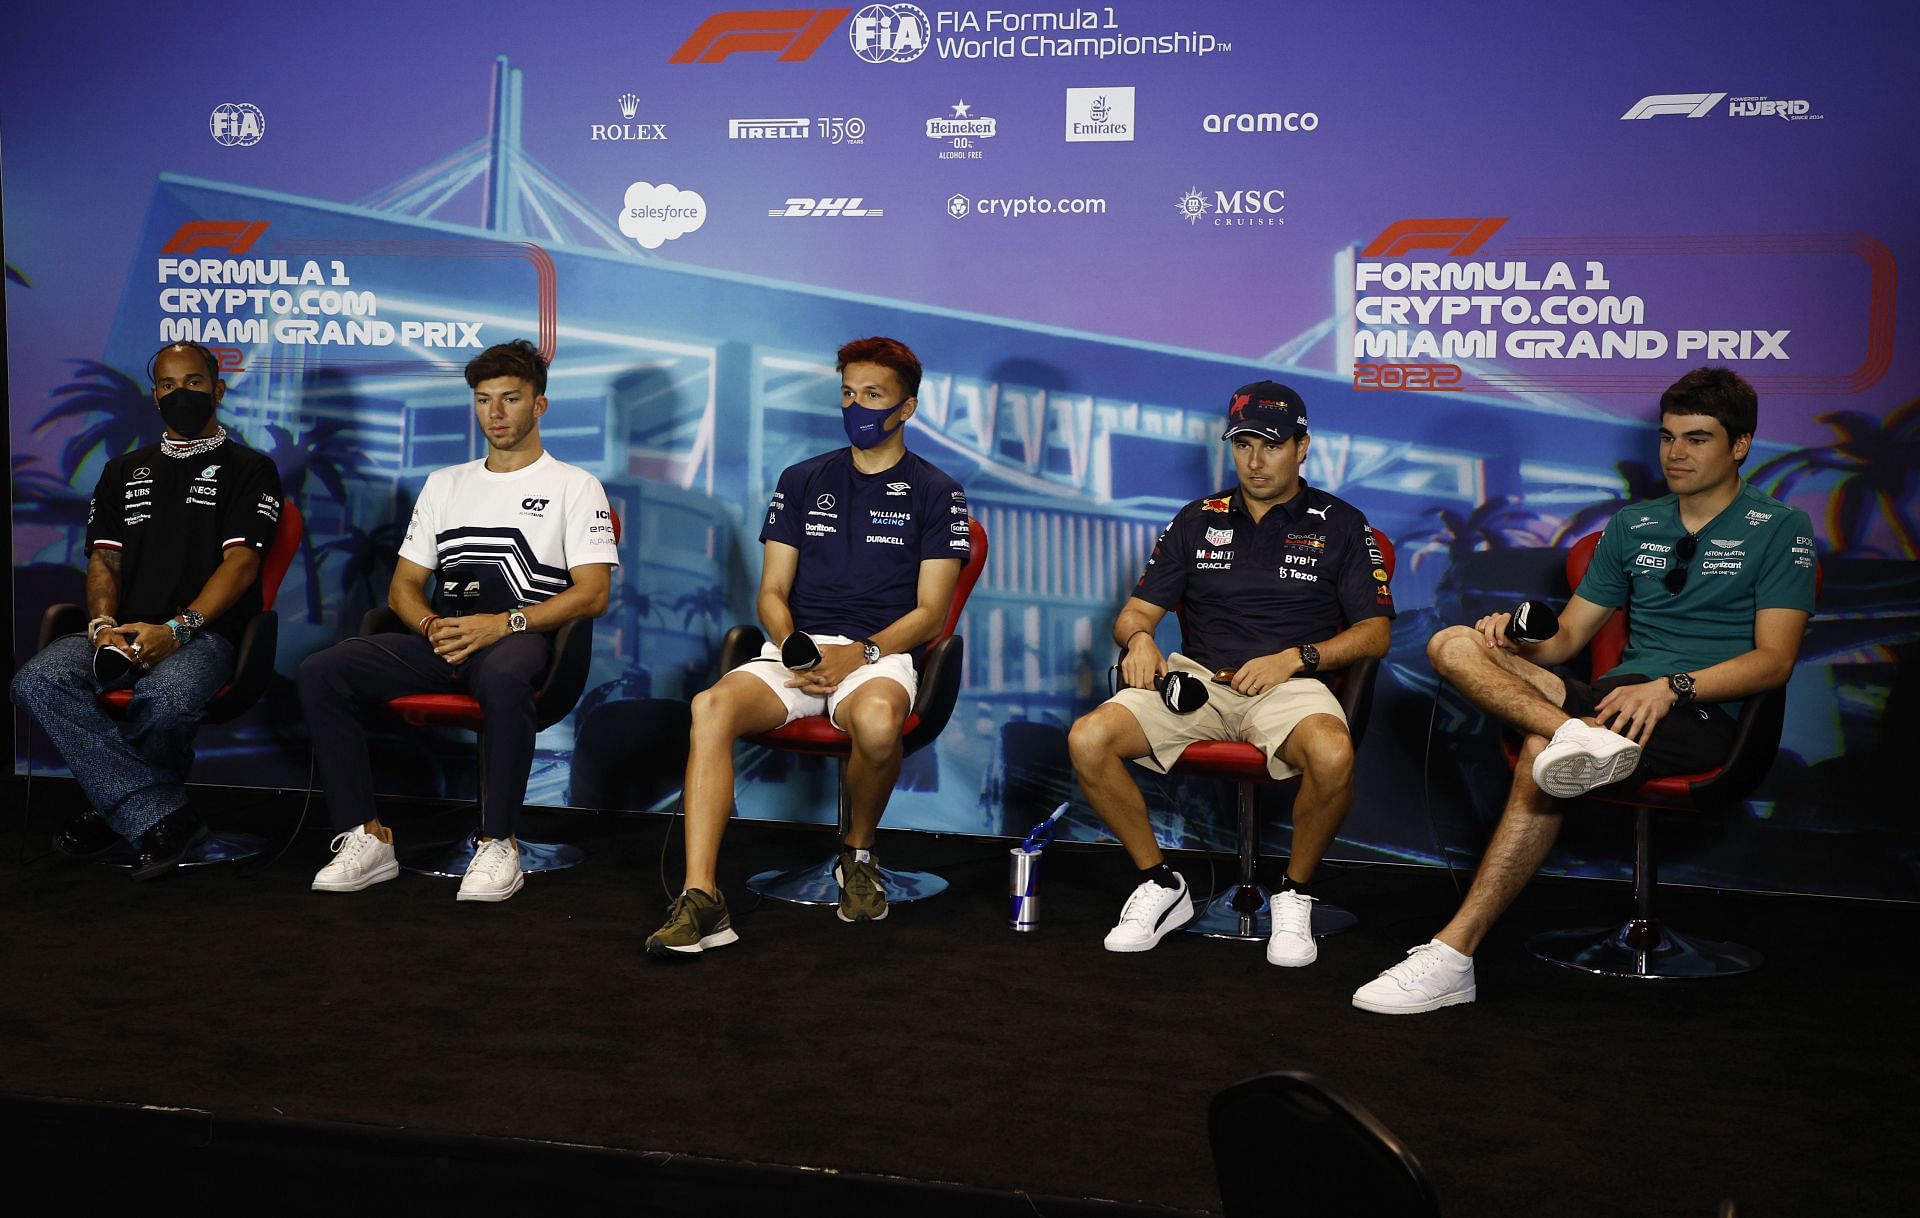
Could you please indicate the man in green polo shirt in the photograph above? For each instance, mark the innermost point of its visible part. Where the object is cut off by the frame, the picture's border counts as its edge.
(1718, 581)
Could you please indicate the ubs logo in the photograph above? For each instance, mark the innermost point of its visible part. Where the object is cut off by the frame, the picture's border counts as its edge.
(536, 506)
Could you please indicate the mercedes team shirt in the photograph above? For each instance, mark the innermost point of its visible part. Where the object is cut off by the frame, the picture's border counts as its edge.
(862, 538)
(1309, 569)
(497, 542)
(172, 521)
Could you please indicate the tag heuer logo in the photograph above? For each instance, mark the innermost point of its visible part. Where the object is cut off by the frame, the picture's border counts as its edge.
(1219, 537)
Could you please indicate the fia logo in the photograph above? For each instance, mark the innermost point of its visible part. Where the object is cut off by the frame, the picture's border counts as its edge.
(237, 124)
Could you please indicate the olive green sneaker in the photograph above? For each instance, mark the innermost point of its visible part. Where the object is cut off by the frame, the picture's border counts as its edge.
(695, 922)
(863, 894)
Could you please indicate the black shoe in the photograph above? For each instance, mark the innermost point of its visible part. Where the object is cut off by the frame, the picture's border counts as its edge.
(162, 847)
(85, 835)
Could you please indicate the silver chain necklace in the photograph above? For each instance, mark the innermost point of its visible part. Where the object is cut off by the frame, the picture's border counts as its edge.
(180, 450)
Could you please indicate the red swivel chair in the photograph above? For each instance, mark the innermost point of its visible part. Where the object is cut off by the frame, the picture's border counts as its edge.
(1240, 911)
(553, 700)
(1642, 947)
(252, 669)
(940, 678)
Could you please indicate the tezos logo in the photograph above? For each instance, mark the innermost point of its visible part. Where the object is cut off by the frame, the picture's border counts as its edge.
(534, 505)
(890, 33)
(1097, 115)
(629, 106)
(655, 215)
(237, 124)
(1233, 208)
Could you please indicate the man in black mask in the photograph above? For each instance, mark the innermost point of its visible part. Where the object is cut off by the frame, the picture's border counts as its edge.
(175, 533)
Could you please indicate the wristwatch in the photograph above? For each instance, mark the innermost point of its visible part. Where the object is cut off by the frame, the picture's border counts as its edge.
(871, 648)
(516, 622)
(193, 620)
(182, 633)
(1681, 683)
(1309, 658)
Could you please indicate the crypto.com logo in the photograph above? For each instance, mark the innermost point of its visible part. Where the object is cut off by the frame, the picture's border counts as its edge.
(1458, 236)
(1691, 105)
(796, 33)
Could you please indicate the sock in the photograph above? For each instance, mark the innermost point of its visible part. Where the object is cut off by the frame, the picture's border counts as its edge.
(859, 855)
(1289, 884)
(1160, 874)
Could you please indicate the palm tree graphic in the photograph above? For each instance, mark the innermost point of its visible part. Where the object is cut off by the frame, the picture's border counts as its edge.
(1875, 465)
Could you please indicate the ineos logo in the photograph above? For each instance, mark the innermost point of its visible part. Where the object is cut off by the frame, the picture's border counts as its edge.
(535, 505)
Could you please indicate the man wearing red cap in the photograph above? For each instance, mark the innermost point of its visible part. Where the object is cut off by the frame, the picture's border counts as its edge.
(1278, 585)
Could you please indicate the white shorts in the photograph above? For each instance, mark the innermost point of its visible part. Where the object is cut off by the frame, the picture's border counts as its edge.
(800, 704)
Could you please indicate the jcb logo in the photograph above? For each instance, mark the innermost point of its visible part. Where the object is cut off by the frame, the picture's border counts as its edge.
(535, 505)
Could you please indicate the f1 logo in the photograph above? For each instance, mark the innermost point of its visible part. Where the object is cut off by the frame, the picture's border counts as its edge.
(237, 236)
(1459, 237)
(794, 32)
(1693, 105)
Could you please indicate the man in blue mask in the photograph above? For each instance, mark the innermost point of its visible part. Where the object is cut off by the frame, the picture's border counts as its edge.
(863, 548)
(175, 532)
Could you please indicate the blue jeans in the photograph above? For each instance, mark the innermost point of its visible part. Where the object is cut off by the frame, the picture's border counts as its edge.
(134, 772)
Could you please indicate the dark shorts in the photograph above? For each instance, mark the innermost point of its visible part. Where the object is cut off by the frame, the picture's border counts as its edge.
(1690, 740)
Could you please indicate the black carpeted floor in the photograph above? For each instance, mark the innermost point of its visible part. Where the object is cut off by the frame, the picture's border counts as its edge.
(937, 1045)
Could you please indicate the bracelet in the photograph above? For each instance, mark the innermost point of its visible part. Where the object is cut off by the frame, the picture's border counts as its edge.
(420, 627)
(94, 627)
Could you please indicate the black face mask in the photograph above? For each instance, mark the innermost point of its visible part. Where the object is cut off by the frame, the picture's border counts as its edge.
(187, 411)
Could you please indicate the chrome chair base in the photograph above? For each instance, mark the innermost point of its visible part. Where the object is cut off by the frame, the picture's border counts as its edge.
(1643, 950)
(214, 848)
(449, 860)
(814, 885)
(1241, 912)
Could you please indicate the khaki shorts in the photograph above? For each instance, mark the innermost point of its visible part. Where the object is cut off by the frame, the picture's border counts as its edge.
(1264, 720)
(897, 668)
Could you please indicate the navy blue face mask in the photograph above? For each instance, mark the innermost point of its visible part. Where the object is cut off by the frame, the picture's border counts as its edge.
(867, 426)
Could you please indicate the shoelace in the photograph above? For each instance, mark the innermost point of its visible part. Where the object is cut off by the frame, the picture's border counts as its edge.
(1293, 915)
(348, 845)
(490, 858)
(1419, 962)
(1135, 910)
(861, 880)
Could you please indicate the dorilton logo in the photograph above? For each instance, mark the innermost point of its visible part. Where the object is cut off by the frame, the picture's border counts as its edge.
(1100, 115)
(629, 106)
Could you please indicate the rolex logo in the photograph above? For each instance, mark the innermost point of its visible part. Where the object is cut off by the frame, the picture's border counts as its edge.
(629, 105)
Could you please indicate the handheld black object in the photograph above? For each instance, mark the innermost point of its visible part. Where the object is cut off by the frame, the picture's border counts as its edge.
(800, 652)
(1533, 622)
(114, 668)
(1182, 692)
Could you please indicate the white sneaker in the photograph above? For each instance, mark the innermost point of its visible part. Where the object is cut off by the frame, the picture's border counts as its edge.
(494, 874)
(1581, 757)
(1149, 915)
(1291, 943)
(1432, 976)
(360, 860)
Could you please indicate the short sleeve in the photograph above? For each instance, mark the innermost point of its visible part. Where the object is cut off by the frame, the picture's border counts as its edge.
(590, 533)
(783, 510)
(1788, 567)
(1364, 589)
(1605, 583)
(945, 535)
(422, 544)
(1164, 582)
(105, 515)
(252, 513)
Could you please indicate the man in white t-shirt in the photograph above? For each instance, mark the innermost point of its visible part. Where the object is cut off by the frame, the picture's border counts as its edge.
(500, 553)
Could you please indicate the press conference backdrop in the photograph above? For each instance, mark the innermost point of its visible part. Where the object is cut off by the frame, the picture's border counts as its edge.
(1478, 240)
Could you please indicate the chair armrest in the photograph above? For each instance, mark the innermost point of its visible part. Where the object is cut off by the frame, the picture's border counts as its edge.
(741, 644)
(1355, 692)
(252, 668)
(1756, 742)
(566, 677)
(940, 677)
(59, 620)
(382, 620)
